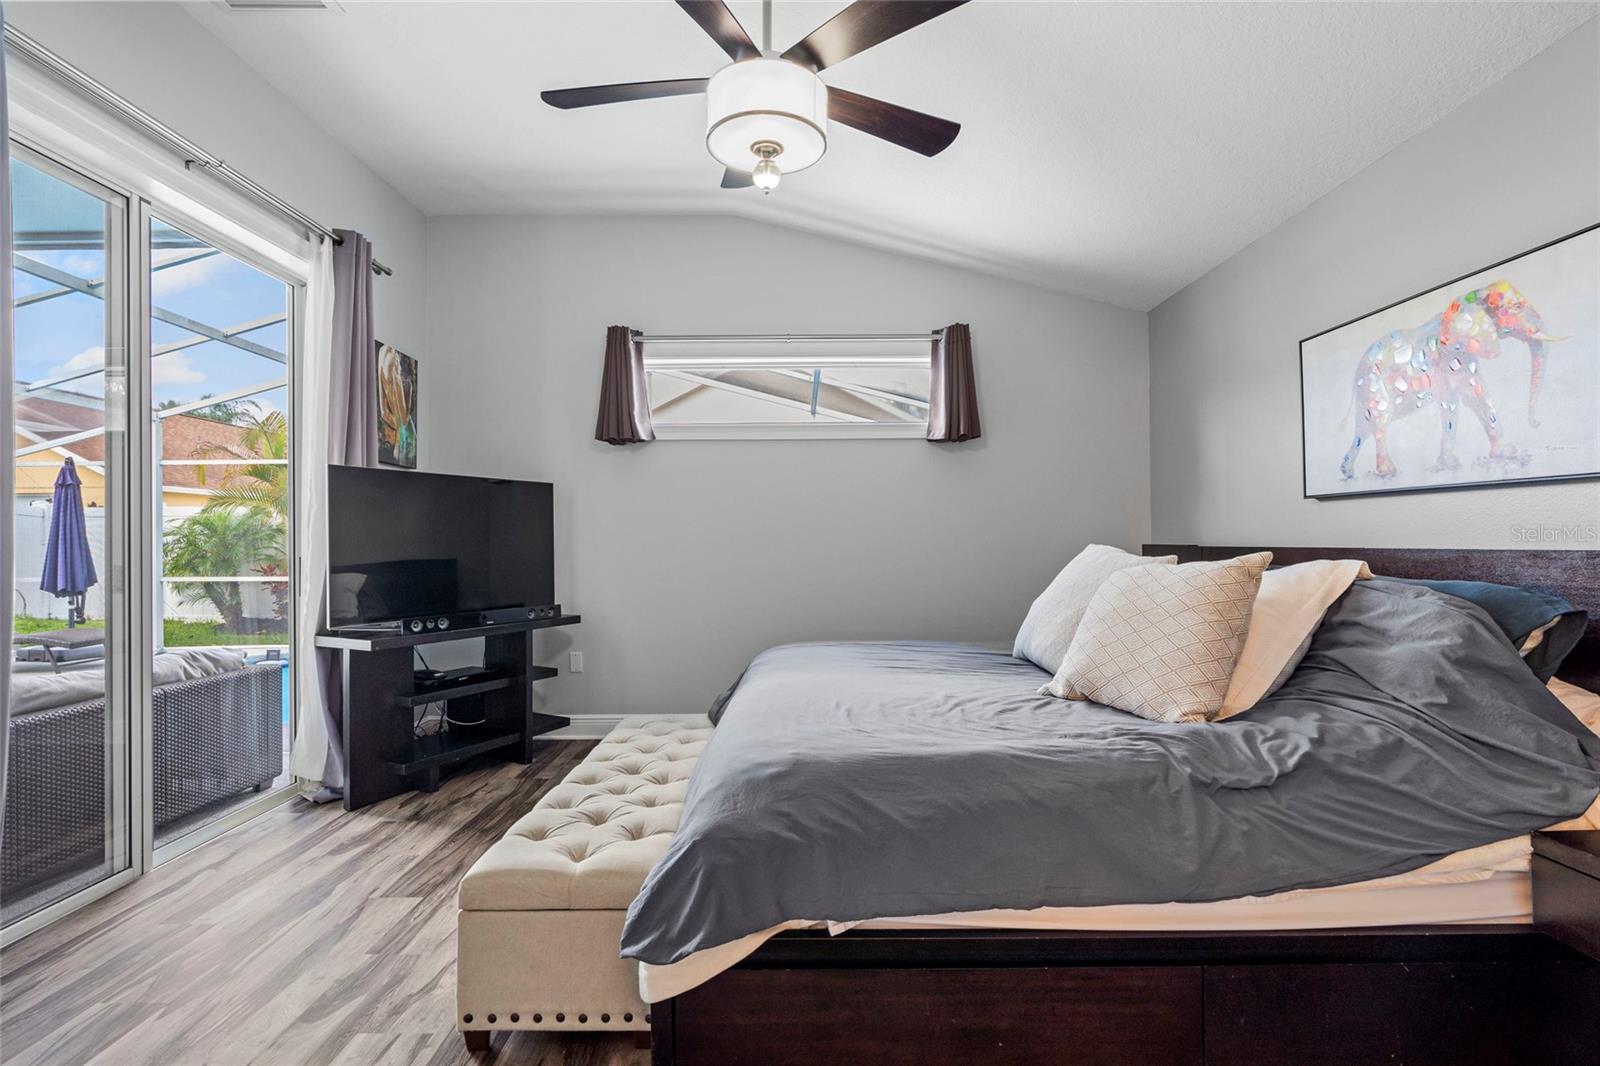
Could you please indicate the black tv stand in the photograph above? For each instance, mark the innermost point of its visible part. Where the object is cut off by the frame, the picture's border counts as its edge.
(427, 680)
(381, 691)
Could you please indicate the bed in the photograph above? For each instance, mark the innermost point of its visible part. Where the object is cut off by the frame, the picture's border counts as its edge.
(800, 961)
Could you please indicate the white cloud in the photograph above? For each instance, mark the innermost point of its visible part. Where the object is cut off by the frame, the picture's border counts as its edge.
(92, 358)
(88, 267)
(187, 275)
(176, 369)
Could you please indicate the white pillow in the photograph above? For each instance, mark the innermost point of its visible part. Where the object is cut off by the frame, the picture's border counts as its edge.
(1288, 610)
(1053, 620)
(1162, 641)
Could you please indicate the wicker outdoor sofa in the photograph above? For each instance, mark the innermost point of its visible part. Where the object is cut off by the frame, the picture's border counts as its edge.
(212, 737)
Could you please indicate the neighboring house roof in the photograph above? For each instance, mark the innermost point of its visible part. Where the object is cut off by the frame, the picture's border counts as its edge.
(182, 437)
(49, 417)
(190, 437)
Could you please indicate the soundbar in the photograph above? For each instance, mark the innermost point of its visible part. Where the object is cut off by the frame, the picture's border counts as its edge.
(475, 619)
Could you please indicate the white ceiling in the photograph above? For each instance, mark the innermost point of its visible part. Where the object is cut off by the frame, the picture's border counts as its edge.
(1113, 150)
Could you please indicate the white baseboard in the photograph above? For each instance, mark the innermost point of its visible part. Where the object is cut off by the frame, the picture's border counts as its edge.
(596, 726)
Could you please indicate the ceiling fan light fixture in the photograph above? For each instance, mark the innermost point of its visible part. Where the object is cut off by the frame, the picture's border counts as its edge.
(767, 173)
(766, 103)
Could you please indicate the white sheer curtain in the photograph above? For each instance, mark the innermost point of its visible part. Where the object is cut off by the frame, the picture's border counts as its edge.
(310, 760)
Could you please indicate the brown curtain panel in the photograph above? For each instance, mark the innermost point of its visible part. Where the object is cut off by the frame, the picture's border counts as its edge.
(952, 392)
(353, 384)
(624, 405)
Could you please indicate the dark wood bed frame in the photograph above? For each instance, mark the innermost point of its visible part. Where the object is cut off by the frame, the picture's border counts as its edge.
(1398, 994)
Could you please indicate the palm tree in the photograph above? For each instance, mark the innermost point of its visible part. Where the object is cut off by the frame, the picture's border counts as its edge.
(259, 487)
(233, 412)
(220, 542)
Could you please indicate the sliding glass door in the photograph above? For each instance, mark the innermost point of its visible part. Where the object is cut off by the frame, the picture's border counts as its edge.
(218, 373)
(67, 822)
(151, 706)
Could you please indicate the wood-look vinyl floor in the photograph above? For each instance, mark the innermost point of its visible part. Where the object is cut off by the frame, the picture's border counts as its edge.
(308, 936)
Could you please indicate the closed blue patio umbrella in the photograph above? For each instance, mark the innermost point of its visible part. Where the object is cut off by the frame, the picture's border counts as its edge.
(68, 565)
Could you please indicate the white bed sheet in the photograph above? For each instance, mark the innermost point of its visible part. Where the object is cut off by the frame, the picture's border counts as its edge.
(1484, 885)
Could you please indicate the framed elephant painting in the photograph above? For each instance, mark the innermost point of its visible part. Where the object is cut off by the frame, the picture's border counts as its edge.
(1490, 379)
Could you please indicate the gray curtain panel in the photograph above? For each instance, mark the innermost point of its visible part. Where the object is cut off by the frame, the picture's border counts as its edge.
(353, 390)
(624, 404)
(7, 469)
(953, 392)
(352, 441)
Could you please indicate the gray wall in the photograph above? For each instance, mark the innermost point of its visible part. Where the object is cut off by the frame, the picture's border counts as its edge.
(1514, 167)
(687, 557)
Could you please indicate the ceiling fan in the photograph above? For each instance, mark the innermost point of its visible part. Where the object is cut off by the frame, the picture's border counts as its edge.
(767, 114)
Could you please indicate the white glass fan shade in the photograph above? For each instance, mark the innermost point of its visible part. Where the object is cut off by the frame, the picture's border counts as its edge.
(766, 101)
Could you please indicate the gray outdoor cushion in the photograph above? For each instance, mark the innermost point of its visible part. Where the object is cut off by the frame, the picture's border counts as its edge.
(39, 691)
(43, 691)
(194, 663)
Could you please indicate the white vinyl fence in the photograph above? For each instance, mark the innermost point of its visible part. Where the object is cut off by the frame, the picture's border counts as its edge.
(31, 523)
(32, 527)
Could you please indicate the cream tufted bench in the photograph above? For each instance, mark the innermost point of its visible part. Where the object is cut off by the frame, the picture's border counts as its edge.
(541, 912)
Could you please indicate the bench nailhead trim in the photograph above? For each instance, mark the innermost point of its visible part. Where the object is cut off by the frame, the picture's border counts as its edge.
(583, 1017)
(605, 1017)
(467, 1018)
(515, 1017)
(537, 1018)
(628, 1017)
(561, 1017)
(491, 1019)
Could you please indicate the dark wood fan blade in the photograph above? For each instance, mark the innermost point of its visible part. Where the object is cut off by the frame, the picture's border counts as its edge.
(862, 25)
(736, 179)
(715, 18)
(893, 123)
(615, 94)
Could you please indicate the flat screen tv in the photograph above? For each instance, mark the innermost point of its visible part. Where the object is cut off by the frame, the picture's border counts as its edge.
(403, 544)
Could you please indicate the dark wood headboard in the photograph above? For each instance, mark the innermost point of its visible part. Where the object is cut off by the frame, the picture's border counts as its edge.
(1574, 575)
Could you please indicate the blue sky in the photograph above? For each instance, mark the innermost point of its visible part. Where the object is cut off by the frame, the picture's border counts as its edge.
(68, 333)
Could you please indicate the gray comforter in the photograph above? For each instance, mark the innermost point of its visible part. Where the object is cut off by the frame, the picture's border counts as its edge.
(854, 781)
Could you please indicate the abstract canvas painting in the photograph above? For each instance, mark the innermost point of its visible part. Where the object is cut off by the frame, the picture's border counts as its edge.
(397, 408)
(1490, 379)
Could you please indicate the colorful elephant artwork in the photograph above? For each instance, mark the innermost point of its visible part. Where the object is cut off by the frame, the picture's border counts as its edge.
(1436, 365)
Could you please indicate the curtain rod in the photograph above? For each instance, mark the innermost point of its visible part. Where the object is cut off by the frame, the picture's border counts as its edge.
(697, 338)
(193, 155)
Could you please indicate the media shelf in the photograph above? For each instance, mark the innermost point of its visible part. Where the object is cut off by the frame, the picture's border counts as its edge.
(475, 684)
(461, 742)
(383, 639)
(380, 692)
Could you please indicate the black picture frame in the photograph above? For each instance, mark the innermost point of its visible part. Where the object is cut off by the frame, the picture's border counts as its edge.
(1305, 461)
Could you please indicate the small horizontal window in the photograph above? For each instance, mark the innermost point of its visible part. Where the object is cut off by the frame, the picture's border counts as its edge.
(788, 387)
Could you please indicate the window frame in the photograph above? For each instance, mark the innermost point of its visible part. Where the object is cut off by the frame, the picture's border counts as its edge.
(797, 430)
(779, 431)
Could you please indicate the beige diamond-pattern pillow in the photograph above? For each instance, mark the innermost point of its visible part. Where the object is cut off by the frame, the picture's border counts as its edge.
(1161, 641)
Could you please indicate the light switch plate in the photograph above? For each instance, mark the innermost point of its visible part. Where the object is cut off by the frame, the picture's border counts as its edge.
(575, 662)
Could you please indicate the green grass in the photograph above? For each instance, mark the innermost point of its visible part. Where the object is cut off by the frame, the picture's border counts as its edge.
(24, 623)
(176, 633)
